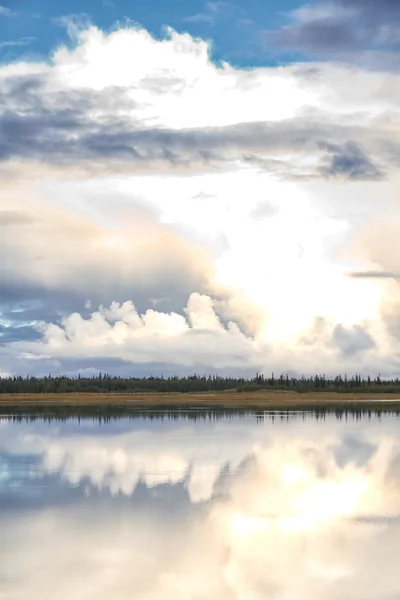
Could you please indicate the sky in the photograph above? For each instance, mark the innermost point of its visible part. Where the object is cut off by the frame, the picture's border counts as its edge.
(207, 188)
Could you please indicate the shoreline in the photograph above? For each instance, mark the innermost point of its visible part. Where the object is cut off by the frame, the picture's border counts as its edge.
(265, 400)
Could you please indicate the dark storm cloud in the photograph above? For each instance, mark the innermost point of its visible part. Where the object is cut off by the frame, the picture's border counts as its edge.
(349, 26)
(57, 128)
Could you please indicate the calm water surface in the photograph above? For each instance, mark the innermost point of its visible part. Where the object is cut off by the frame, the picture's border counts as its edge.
(213, 509)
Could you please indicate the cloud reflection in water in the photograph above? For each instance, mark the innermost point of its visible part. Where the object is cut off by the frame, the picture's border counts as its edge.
(207, 510)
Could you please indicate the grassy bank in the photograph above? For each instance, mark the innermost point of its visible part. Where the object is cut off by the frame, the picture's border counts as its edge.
(264, 400)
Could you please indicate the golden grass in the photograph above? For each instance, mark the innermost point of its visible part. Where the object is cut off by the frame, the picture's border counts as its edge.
(268, 400)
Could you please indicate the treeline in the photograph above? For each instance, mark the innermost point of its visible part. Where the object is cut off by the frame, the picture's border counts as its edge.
(104, 382)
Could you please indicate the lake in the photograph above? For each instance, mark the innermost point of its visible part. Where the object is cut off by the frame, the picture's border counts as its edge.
(246, 507)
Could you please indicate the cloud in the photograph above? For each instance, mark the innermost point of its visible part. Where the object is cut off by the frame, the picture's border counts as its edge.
(167, 179)
(262, 211)
(64, 137)
(374, 275)
(14, 333)
(340, 27)
(378, 242)
(24, 41)
(7, 12)
(351, 163)
(199, 340)
(137, 253)
(65, 114)
(152, 337)
(214, 12)
(74, 24)
(351, 341)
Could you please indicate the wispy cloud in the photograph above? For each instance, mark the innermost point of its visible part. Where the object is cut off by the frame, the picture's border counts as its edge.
(24, 41)
(374, 275)
(213, 12)
(74, 23)
(7, 12)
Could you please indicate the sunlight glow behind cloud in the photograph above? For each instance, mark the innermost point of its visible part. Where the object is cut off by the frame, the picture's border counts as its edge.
(141, 170)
